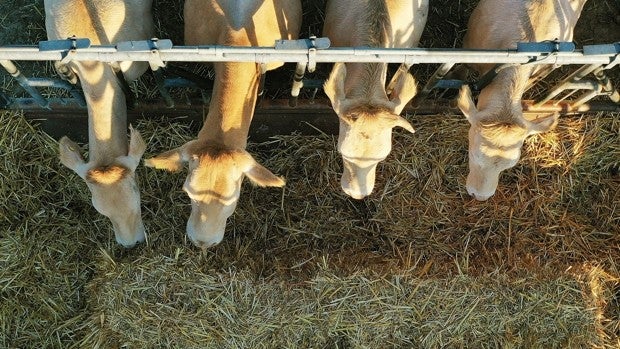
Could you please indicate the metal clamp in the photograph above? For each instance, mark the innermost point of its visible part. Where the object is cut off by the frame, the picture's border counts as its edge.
(154, 45)
(548, 49)
(549, 46)
(312, 44)
(69, 46)
(409, 61)
(605, 49)
(261, 60)
(72, 43)
(68, 57)
(312, 55)
(303, 44)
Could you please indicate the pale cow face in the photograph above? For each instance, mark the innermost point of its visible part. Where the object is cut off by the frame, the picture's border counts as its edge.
(495, 146)
(365, 136)
(113, 187)
(213, 184)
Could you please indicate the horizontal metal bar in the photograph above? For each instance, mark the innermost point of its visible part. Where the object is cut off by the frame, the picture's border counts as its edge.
(305, 107)
(216, 53)
(272, 117)
(54, 83)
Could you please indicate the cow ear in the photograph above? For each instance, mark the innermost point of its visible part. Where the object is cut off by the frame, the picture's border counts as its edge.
(261, 176)
(334, 86)
(137, 146)
(466, 103)
(171, 160)
(256, 172)
(544, 124)
(395, 120)
(402, 88)
(70, 157)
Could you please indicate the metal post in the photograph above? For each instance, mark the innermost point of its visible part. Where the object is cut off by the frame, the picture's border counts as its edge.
(163, 91)
(61, 84)
(298, 83)
(608, 88)
(23, 82)
(571, 82)
(439, 74)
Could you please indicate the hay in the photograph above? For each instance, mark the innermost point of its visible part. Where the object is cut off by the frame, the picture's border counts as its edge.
(44, 241)
(418, 264)
(144, 303)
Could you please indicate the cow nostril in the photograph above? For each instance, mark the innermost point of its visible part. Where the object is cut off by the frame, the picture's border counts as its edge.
(204, 246)
(481, 197)
(354, 194)
(476, 195)
(126, 244)
(358, 196)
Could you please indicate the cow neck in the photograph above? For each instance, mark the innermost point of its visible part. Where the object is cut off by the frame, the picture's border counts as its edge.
(505, 90)
(366, 81)
(107, 112)
(232, 104)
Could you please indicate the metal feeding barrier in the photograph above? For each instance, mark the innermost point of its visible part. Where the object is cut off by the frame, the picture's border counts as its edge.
(591, 77)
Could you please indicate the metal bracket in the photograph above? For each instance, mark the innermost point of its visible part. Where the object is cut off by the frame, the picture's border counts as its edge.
(409, 61)
(601, 49)
(311, 44)
(607, 49)
(153, 45)
(144, 45)
(68, 44)
(552, 46)
(303, 44)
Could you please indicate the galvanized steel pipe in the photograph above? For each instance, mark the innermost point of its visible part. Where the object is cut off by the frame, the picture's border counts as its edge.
(217, 53)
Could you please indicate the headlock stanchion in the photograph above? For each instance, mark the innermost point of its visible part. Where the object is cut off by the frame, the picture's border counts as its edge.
(307, 53)
(312, 45)
(158, 51)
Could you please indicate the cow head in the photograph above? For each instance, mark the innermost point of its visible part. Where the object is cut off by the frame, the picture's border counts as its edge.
(113, 187)
(495, 141)
(213, 184)
(365, 136)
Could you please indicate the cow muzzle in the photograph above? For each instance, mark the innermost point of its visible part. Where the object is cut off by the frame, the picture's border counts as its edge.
(478, 196)
(358, 182)
(206, 229)
(481, 186)
(128, 237)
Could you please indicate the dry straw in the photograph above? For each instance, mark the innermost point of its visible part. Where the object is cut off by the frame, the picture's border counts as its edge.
(418, 264)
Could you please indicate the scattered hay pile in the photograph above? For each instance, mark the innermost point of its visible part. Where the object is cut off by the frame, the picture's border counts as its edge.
(418, 264)
(46, 232)
(146, 304)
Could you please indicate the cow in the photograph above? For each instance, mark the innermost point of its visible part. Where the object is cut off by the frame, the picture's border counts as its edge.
(110, 170)
(217, 158)
(498, 127)
(367, 112)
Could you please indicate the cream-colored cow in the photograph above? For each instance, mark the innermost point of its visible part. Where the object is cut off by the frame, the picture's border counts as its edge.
(498, 127)
(366, 111)
(217, 159)
(109, 172)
